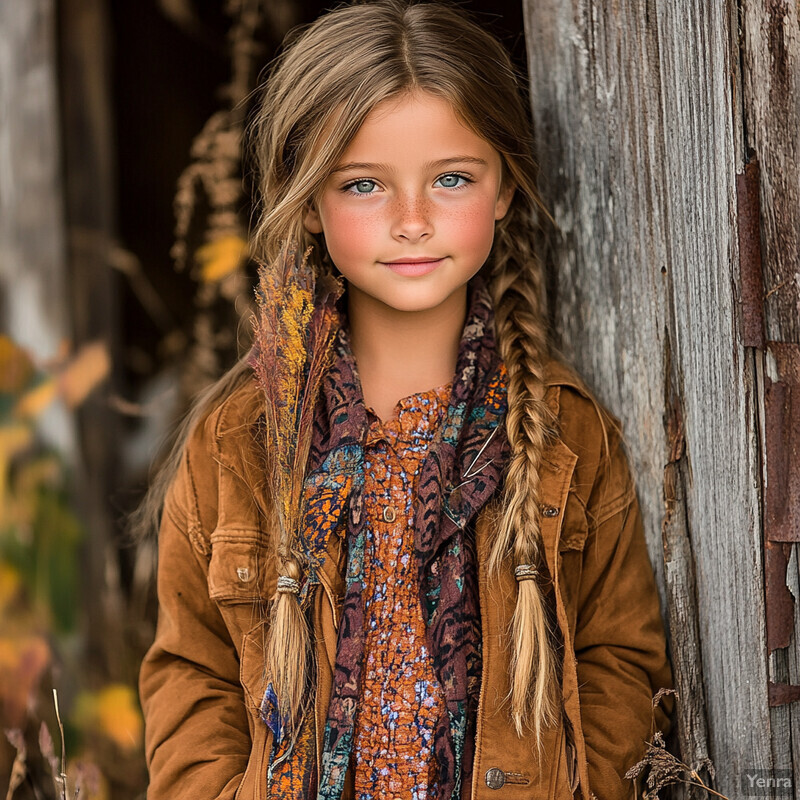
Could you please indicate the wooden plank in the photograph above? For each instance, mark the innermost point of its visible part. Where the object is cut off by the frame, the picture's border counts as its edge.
(771, 72)
(32, 252)
(637, 144)
(692, 732)
(770, 34)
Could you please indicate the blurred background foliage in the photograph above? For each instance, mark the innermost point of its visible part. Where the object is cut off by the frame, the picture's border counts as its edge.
(123, 282)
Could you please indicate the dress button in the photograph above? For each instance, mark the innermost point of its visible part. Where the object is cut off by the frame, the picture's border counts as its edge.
(550, 511)
(495, 778)
(389, 514)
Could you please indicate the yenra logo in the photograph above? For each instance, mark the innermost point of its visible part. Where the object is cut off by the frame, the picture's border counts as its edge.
(758, 781)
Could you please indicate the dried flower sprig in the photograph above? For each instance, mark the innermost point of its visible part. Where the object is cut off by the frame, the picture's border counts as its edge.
(294, 327)
(664, 769)
(294, 338)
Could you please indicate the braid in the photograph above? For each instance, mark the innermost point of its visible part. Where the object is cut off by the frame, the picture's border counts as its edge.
(289, 642)
(516, 284)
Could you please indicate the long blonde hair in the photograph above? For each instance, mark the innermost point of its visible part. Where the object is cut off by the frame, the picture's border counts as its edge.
(319, 90)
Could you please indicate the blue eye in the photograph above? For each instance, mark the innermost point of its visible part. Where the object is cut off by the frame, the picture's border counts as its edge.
(454, 176)
(360, 185)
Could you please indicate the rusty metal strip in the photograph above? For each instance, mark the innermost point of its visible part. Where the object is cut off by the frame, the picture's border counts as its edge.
(779, 600)
(782, 407)
(748, 212)
(782, 693)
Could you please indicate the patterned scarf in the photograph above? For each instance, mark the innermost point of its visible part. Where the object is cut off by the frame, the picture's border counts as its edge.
(462, 470)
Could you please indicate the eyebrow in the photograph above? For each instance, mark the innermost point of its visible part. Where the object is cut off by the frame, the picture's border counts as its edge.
(442, 162)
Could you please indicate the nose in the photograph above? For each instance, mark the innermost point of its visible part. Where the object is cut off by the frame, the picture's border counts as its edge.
(412, 217)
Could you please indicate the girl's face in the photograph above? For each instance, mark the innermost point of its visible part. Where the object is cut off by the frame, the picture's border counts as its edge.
(414, 183)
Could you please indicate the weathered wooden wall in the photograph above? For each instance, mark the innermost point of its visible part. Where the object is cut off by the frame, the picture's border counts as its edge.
(32, 259)
(771, 71)
(643, 120)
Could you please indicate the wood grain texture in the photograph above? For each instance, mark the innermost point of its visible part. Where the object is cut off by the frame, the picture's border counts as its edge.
(637, 141)
(692, 730)
(31, 233)
(771, 72)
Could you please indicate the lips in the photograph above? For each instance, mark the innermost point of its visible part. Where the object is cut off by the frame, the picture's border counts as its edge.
(414, 260)
(414, 266)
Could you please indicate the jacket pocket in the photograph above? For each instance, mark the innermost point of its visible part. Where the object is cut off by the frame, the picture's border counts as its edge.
(238, 569)
(241, 580)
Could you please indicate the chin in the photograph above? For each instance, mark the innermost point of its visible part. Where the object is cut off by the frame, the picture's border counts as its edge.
(412, 306)
(417, 298)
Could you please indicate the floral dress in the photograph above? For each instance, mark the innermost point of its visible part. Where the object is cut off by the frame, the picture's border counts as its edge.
(401, 696)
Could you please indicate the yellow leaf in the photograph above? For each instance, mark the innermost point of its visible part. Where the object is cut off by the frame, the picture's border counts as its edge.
(13, 439)
(89, 367)
(113, 712)
(16, 366)
(220, 258)
(19, 500)
(36, 400)
(10, 584)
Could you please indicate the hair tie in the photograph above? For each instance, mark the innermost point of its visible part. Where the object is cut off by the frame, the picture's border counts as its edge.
(287, 584)
(525, 572)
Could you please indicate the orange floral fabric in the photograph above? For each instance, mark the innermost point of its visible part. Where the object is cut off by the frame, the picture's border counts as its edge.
(401, 697)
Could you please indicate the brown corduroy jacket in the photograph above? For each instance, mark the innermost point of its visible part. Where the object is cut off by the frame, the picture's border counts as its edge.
(201, 682)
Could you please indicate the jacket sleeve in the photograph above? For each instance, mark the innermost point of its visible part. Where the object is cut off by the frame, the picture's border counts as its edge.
(619, 642)
(197, 740)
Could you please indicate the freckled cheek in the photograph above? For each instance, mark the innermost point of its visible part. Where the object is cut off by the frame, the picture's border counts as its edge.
(351, 233)
(472, 225)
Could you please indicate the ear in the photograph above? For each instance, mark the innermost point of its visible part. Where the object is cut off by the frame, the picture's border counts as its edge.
(504, 200)
(311, 220)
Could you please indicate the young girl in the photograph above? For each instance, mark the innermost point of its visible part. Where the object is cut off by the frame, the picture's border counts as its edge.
(474, 612)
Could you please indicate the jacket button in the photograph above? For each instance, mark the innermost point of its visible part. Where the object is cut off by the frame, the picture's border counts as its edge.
(243, 573)
(389, 514)
(550, 511)
(495, 778)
